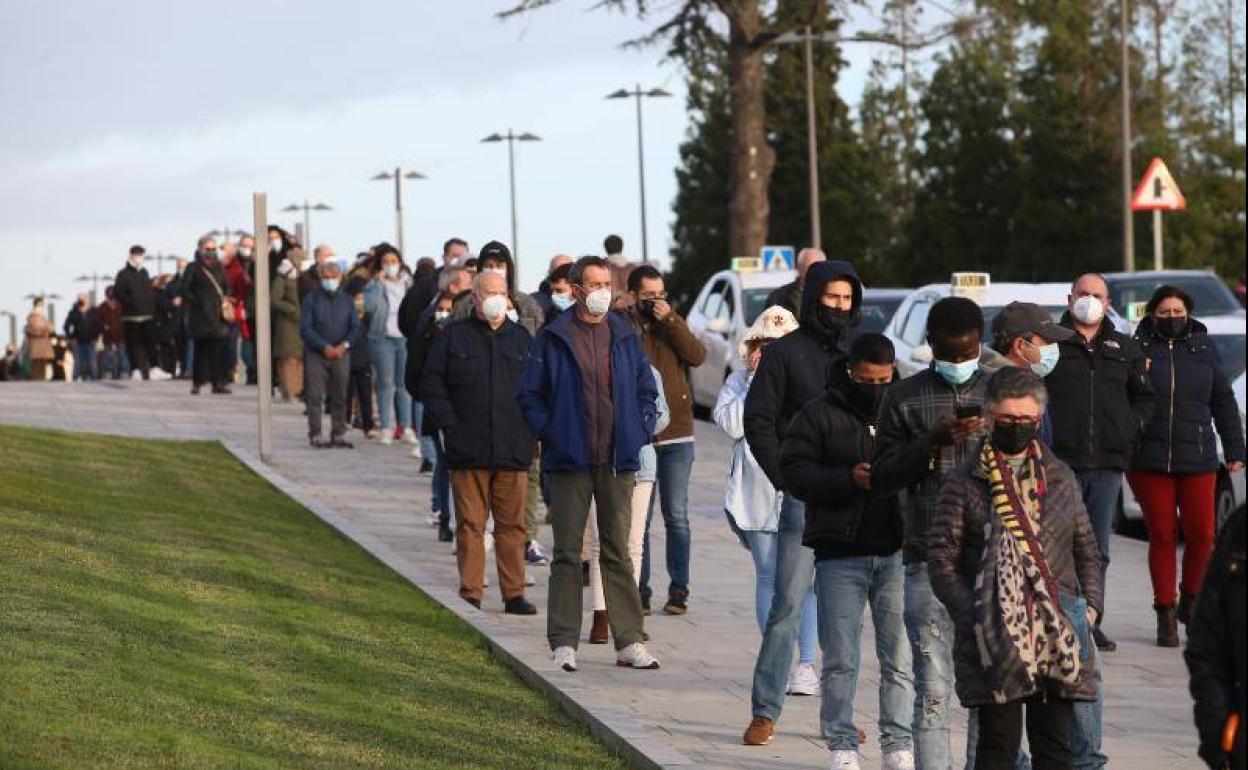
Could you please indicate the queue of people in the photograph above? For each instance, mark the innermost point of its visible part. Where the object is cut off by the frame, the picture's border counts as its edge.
(968, 507)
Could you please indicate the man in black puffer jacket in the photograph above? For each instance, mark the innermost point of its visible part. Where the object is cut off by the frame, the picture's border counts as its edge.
(856, 534)
(793, 370)
(468, 387)
(138, 310)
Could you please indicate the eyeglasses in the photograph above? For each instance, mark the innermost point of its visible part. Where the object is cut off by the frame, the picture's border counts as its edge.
(653, 295)
(1015, 419)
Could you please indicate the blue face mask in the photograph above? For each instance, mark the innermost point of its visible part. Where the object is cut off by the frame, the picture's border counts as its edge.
(1048, 359)
(562, 301)
(329, 284)
(957, 374)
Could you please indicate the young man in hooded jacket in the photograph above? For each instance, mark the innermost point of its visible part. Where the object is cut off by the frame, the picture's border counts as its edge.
(793, 371)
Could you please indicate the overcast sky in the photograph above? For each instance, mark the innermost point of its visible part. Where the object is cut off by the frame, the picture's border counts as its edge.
(138, 121)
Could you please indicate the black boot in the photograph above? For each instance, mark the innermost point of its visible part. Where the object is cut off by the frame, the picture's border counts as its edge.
(1167, 625)
(1187, 607)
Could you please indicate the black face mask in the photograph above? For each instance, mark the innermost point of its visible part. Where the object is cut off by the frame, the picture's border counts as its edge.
(1171, 327)
(646, 308)
(866, 396)
(832, 319)
(1012, 438)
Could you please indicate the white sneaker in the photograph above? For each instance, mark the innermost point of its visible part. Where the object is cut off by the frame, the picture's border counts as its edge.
(636, 656)
(529, 580)
(431, 520)
(386, 438)
(804, 680)
(899, 760)
(410, 437)
(844, 759)
(565, 658)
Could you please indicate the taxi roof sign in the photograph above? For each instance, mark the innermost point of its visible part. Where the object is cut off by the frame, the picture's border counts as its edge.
(971, 285)
(746, 264)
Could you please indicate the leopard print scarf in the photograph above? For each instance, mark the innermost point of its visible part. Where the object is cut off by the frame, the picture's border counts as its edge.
(1028, 598)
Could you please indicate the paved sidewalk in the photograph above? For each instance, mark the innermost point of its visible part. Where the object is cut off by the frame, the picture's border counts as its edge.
(698, 703)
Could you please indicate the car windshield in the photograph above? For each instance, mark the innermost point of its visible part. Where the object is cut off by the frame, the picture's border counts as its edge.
(755, 302)
(876, 313)
(1209, 295)
(1230, 349)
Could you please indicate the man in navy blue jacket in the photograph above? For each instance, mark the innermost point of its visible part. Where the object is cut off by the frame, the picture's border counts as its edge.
(329, 326)
(589, 397)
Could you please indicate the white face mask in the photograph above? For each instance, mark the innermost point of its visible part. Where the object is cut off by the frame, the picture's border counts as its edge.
(286, 268)
(598, 302)
(136, 263)
(513, 316)
(391, 270)
(562, 301)
(441, 315)
(1088, 310)
(244, 251)
(275, 244)
(494, 307)
(496, 271)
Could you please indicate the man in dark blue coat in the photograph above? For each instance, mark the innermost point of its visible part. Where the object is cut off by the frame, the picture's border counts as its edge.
(589, 396)
(329, 327)
(468, 387)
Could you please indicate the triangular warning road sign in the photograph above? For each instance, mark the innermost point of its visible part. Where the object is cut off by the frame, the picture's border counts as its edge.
(1158, 190)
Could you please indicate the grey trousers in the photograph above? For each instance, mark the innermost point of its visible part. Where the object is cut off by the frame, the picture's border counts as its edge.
(325, 378)
(571, 493)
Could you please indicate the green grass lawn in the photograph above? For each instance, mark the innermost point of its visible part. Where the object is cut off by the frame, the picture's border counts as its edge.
(163, 607)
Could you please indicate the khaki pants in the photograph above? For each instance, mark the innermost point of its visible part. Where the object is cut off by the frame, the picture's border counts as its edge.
(571, 493)
(478, 494)
(290, 377)
(636, 532)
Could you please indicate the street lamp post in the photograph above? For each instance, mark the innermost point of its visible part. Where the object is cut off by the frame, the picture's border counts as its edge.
(45, 296)
(95, 279)
(398, 175)
(305, 207)
(12, 327)
(511, 138)
(1128, 222)
(637, 93)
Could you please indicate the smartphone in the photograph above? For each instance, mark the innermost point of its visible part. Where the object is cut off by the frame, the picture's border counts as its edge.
(963, 411)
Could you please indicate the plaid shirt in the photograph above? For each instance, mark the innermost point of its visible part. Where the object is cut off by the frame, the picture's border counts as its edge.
(904, 460)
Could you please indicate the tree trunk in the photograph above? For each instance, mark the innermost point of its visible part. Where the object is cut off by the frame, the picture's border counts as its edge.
(753, 158)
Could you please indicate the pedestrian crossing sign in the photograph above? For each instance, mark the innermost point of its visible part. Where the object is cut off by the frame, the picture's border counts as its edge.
(778, 258)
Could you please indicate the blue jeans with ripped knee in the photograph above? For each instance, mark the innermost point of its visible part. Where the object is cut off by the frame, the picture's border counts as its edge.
(931, 643)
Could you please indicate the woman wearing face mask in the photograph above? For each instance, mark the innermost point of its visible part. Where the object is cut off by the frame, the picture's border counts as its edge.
(287, 344)
(203, 291)
(1176, 462)
(1012, 557)
(386, 344)
(752, 504)
(429, 325)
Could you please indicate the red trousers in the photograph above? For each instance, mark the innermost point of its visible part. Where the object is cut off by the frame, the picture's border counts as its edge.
(1159, 494)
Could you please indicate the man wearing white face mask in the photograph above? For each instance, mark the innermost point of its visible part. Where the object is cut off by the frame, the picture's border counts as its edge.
(496, 258)
(134, 291)
(1101, 399)
(468, 388)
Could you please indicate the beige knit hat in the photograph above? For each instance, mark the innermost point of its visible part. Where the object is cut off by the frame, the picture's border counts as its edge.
(772, 324)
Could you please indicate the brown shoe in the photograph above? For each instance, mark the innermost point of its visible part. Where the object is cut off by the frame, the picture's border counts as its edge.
(759, 732)
(1167, 626)
(601, 629)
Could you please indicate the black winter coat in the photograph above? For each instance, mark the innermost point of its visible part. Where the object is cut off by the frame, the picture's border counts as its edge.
(83, 326)
(202, 301)
(1216, 646)
(954, 551)
(793, 371)
(1192, 391)
(1100, 399)
(788, 296)
(825, 440)
(134, 291)
(468, 387)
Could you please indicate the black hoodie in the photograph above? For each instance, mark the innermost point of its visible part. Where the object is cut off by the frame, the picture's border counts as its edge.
(795, 369)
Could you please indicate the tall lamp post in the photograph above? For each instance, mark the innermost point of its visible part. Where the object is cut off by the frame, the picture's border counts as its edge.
(95, 279)
(511, 138)
(12, 326)
(398, 175)
(305, 207)
(1128, 222)
(638, 94)
(45, 296)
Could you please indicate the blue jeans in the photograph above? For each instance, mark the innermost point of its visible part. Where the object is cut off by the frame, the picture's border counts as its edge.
(675, 464)
(112, 360)
(763, 547)
(389, 356)
(188, 357)
(231, 352)
(930, 630)
(441, 486)
(1101, 488)
(427, 451)
(845, 586)
(795, 572)
(84, 361)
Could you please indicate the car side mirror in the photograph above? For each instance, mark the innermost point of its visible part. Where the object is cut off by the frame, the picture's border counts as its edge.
(922, 354)
(719, 325)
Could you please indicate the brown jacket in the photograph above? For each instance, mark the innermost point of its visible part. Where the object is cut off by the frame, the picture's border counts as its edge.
(671, 347)
(39, 337)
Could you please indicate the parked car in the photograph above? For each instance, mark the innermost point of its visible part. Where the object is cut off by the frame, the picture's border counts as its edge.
(1130, 292)
(728, 305)
(1226, 332)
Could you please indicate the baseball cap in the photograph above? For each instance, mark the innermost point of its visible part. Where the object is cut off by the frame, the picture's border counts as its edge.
(1026, 318)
